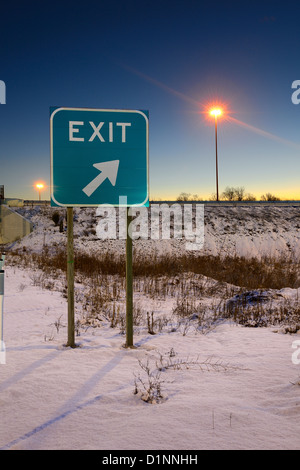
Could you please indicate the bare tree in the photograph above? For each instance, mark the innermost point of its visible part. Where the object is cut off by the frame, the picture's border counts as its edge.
(229, 194)
(249, 197)
(183, 197)
(269, 197)
(239, 193)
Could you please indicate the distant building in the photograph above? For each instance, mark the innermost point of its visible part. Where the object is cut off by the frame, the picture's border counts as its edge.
(12, 225)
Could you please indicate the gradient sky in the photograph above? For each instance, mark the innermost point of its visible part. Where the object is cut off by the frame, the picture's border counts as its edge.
(169, 57)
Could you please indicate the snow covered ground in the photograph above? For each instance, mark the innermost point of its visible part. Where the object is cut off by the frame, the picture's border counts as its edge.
(54, 397)
(231, 388)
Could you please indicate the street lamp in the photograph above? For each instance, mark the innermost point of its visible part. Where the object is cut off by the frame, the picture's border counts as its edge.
(39, 187)
(216, 112)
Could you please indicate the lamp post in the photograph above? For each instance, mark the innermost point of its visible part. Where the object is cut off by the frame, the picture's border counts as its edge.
(39, 187)
(216, 112)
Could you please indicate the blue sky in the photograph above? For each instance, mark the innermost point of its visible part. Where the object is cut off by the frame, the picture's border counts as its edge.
(172, 58)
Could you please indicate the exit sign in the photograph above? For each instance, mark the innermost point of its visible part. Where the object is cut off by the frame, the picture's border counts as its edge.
(99, 156)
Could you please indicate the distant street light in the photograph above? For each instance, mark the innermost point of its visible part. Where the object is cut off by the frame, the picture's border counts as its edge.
(39, 187)
(216, 112)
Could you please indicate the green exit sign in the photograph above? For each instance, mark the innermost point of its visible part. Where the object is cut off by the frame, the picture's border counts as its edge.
(99, 156)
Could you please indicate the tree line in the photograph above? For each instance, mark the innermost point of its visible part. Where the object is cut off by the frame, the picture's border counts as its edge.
(229, 194)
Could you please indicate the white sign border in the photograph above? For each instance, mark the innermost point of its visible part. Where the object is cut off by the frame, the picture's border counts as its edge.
(97, 110)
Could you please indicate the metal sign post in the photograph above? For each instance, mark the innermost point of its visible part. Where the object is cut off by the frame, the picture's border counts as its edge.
(70, 279)
(129, 286)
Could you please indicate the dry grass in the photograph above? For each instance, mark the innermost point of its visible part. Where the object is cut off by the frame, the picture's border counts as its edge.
(267, 273)
(201, 288)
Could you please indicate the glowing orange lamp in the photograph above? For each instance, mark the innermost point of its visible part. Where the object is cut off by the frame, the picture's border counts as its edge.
(216, 112)
(39, 187)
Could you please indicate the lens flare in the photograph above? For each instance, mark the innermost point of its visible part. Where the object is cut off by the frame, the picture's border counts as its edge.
(215, 112)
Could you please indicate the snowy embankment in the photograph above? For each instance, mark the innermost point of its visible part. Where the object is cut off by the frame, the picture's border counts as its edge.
(253, 231)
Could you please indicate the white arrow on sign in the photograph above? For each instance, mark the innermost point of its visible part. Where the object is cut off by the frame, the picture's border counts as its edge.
(108, 170)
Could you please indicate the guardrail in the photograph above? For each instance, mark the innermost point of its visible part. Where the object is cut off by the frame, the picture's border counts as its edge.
(207, 203)
(232, 203)
(36, 203)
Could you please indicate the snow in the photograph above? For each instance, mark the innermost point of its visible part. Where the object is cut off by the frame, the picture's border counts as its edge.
(53, 397)
(239, 390)
(249, 231)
